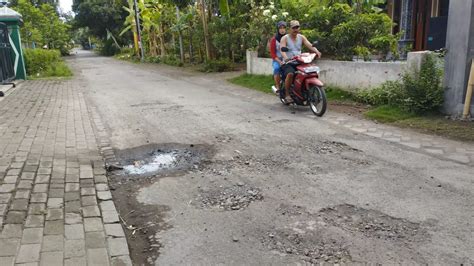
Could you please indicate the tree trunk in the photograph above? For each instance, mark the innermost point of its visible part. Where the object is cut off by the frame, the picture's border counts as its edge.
(206, 31)
(180, 36)
(191, 54)
(162, 41)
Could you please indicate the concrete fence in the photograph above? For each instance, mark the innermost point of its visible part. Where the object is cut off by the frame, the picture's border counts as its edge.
(349, 75)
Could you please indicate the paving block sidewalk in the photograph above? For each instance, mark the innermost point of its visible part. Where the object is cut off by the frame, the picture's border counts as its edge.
(55, 203)
(439, 147)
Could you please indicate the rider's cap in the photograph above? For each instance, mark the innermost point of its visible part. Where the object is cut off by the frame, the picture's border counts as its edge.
(281, 24)
(294, 23)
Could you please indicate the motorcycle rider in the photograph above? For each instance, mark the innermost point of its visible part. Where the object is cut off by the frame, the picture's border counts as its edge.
(294, 42)
(275, 52)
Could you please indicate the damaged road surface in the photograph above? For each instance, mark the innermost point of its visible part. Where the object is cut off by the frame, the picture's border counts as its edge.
(210, 173)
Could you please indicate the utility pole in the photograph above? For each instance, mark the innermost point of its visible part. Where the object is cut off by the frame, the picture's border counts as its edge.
(139, 31)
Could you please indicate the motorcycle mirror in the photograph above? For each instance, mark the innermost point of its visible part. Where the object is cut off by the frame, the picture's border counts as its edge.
(285, 49)
(315, 43)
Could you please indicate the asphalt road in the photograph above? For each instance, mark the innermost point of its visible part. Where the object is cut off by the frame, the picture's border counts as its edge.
(278, 184)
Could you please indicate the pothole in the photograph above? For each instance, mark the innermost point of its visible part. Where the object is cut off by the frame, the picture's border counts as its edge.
(139, 167)
(311, 245)
(232, 198)
(328, 147)
(158, 159)
(291, 210)
(372, 223)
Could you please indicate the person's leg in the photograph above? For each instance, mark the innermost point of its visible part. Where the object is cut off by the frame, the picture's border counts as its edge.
(276, 74)
(288, 81)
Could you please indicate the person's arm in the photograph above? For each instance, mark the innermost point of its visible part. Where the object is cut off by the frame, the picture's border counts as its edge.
(273, 52)
(310, 46)
(283, 44)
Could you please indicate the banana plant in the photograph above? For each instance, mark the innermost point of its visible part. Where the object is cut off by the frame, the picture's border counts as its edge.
(130, 25)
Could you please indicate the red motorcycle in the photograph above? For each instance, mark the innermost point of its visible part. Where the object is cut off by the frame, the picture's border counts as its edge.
(306, 88)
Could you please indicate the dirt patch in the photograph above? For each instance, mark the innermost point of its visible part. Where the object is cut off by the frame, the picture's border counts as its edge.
(372, 223)
(310, 245)
(142, 222)
(324, 236)
(328, 147)
(232, 198)
(291, 210)
(348, 108)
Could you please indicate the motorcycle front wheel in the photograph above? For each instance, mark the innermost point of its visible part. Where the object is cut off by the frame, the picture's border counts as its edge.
(317, 100)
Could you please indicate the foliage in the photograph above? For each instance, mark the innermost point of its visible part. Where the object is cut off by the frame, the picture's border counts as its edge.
(171, 60)
(389, 93)
(178, 27)
(369, 30)
(45, 63)
(108, 48)
(43, 27)
(419, 91)
(218, 65)
(99, 16)
(424, 91)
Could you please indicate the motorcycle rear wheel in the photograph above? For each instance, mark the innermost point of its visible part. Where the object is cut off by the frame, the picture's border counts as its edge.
(317, 100)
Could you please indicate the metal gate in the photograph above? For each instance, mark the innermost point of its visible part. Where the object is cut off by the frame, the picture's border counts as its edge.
(7, 65)
(7, 73)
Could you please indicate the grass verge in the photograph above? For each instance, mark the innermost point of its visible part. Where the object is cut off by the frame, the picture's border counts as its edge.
(429, 124)
(57, 70)
(261, 83)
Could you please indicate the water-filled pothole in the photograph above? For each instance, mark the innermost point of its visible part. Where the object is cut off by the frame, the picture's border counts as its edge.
(159, 159)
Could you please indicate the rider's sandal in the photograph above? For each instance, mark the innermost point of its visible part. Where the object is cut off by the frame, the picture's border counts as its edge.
(289, 100)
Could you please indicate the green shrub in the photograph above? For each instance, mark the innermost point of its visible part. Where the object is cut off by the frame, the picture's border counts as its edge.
(153, 59)
(219, 65)
(418, 92)
(109, 48)
(424, 91)
(171, 60)
(38, 60)
(59, 69)
(389, 93)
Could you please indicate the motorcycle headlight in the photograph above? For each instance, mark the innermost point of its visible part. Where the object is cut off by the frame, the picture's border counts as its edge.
(312, 69)
(309, 58)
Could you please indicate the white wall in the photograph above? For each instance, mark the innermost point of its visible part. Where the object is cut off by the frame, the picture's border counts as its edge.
(345, 74)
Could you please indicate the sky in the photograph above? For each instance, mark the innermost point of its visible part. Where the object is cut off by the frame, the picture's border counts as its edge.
(65, 5)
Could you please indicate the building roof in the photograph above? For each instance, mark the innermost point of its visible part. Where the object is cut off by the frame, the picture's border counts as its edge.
(8, 14)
